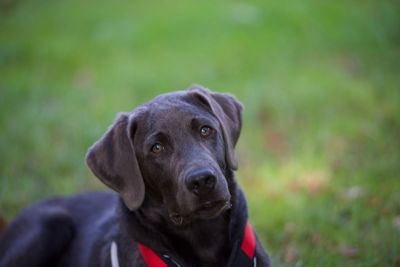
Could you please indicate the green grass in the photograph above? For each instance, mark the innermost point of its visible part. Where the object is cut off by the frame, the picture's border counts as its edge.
(320, 149)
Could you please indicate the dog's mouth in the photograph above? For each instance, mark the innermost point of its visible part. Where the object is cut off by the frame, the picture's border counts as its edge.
(206, 210)
(211, 208)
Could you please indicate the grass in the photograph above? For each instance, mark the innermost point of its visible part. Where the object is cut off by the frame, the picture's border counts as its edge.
(319, 153)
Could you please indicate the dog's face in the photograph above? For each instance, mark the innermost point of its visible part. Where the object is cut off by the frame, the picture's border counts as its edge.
(180, 150)
(174, 150)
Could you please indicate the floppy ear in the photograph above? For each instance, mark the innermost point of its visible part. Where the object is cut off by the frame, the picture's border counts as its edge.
(112, 159)
(229, 114)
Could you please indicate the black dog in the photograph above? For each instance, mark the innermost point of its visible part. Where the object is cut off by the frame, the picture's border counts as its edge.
(171, 161)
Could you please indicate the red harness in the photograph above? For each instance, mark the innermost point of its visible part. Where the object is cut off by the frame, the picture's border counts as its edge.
(241, 257)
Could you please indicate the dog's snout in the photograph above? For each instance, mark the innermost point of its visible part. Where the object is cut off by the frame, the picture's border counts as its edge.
(200, 181)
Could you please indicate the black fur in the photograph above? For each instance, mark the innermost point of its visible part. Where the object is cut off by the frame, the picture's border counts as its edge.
(155, 205)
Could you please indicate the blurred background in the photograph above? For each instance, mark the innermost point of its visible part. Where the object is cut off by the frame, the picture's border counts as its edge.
(320, 147)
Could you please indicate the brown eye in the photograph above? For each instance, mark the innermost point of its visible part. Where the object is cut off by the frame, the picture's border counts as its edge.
(205, 131)
(157, 148)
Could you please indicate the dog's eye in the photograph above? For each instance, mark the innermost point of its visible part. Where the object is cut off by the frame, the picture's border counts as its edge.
(205, 131)
(157, 148)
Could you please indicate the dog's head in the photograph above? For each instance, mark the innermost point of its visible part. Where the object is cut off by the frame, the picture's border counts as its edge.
(175, 150)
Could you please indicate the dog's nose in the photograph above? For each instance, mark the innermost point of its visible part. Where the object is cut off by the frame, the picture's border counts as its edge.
(200, 181)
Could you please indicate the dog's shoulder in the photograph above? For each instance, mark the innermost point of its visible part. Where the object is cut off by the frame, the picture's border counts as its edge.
(103, 241)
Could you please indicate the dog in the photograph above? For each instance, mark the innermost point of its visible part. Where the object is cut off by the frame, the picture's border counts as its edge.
(171, 162)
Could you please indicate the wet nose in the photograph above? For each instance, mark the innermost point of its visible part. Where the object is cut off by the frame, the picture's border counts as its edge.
(200, 181)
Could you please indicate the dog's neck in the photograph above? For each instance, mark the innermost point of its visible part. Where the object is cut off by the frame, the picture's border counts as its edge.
(203, 242)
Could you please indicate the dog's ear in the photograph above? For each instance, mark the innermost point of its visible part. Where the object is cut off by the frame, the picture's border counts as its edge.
(229, 114)
(112, 159)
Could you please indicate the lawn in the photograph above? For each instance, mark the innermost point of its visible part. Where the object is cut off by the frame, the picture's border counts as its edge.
(319, 155)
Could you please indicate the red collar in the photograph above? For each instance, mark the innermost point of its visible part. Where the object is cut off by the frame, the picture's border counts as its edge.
(240, 257)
